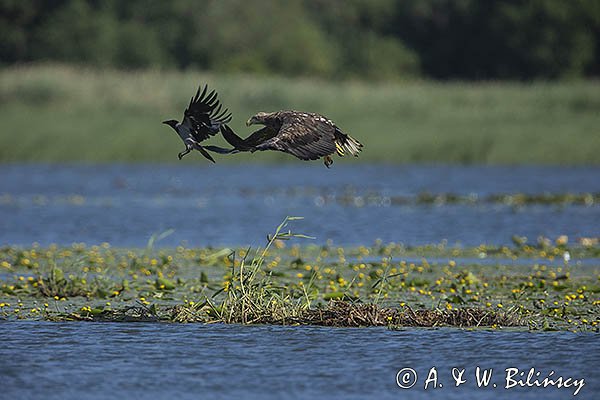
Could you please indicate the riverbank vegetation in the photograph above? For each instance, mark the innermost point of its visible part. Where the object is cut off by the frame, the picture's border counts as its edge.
(58, 113)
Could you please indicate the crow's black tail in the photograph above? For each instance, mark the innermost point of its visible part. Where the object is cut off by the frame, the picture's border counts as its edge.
(205, 153)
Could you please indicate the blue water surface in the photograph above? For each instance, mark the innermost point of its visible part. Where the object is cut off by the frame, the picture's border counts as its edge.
(238, 205)
(79, 360)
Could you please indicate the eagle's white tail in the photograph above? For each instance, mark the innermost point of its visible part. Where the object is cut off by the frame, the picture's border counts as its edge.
(346, 144)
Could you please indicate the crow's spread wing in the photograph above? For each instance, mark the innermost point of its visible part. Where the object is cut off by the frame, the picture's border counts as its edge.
(205, 115)
(306, 136)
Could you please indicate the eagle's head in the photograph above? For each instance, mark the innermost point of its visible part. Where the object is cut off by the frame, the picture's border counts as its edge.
(172, 123)
(262, 118)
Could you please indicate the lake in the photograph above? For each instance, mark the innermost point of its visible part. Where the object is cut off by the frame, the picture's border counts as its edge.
(238, 205)
(155, 361)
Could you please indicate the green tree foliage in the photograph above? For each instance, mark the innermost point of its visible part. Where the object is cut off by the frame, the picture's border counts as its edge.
(370, 39)
(266, 36)
(77, 32)
(501, 39)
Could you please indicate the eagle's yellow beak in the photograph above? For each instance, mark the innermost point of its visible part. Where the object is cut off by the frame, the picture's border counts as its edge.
(250, 121)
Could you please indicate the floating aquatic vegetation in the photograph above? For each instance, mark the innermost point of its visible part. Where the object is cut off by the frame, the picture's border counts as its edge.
(350, 197)
(531, 284)
(124, 314)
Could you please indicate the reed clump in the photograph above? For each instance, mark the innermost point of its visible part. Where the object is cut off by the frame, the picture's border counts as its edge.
(252, 296)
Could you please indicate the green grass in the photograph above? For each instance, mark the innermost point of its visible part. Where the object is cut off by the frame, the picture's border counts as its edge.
(55, 113)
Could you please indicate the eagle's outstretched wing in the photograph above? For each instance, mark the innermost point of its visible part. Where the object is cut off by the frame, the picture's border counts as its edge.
(304, 135)
(251, 142)
(204, 115)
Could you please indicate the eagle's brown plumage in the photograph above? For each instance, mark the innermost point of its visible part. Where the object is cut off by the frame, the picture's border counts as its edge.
(308, 136)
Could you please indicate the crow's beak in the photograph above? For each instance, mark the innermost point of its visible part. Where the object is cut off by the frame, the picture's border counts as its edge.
(250, 121)
(166, 122)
